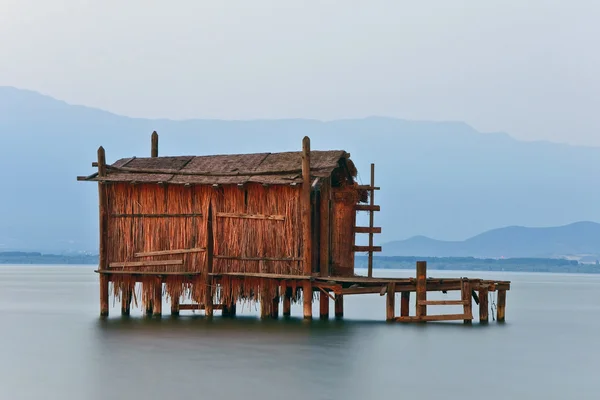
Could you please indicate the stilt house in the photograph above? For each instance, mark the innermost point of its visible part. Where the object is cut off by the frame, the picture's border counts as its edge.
(213, 227)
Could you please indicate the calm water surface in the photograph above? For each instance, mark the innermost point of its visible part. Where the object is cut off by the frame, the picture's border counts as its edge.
(54, 346)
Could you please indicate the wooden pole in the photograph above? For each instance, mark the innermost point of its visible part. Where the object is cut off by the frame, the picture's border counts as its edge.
(467, 299)
(483, 305)
(275, 307)
(325, 236)
(391, 302)
(404, 304)
(421, 310)
(174, 305)
(264, 301)
(208, 298)
(305, 204)
(501, 305)
(324, 306)
(339, 306)
(154, 150)
(307, 294)
(371, 221)
(149, 305)
(157, 301)
(287, 300)
(103, 261)
(126, 301)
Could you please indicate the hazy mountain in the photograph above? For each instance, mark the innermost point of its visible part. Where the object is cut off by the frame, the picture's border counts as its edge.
(577, 239)
(439, 179)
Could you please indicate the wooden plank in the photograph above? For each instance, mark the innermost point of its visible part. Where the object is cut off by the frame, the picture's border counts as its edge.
(501, 306)
(404, 304)
(483, 305)
(306, 217)
(154, 148)
(141, 215)
(261, 275)
(421, 310)
(391, 301)
(367, 187)
(367, 248)
(170, 171)
(441, 302)
(367, 207)
(371, 225)
(339, 306)
(251, 216)
(367, 229)
(441, 317)
(147, 273)
(258, 258)
(169, 252)
(155, 263)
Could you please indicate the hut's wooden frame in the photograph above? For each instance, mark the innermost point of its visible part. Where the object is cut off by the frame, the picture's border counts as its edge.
(268, 235)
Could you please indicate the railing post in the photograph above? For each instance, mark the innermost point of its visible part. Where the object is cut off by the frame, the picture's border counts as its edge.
(421, 310)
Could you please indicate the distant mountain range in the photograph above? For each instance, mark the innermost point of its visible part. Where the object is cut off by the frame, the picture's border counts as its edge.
(579, 240)
(438, 179)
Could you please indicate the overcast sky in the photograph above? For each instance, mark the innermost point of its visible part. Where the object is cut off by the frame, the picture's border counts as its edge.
(529, 68)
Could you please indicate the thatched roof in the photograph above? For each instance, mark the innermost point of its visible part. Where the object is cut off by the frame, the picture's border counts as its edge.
(266, 168)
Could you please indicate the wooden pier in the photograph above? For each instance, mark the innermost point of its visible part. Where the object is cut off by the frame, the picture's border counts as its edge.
(209, 232)
(469, 291)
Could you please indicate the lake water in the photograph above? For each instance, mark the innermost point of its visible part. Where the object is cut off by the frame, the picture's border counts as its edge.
(54, 346)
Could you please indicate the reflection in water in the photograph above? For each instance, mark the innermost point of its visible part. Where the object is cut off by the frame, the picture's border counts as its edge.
(54, 346)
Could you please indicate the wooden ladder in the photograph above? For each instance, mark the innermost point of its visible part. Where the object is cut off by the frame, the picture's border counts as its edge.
(371, 229)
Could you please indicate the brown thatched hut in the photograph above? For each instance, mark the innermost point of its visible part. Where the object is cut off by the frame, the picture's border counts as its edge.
(224, 228)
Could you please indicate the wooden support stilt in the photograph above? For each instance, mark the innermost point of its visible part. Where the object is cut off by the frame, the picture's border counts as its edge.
(324, 306)
(154, 150)
(467, 301)
(483, 305)
(404, 304)
(126, 301)
(391, 301)
(339, 306)
(307, 299)
(287, 301)
(104, 295)
(501, 306)
(421, 309)
(232, 310)
(275, 308)
(174, 305)
(103, 224)
(149, 307)
(306, 214)
(157, 300)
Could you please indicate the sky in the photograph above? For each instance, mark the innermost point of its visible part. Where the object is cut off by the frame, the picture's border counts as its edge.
(527, 68)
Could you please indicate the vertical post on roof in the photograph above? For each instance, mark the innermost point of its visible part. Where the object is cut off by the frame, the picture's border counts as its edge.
(306, 228)
(154, 151)
(102, 262)
(371, 220)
